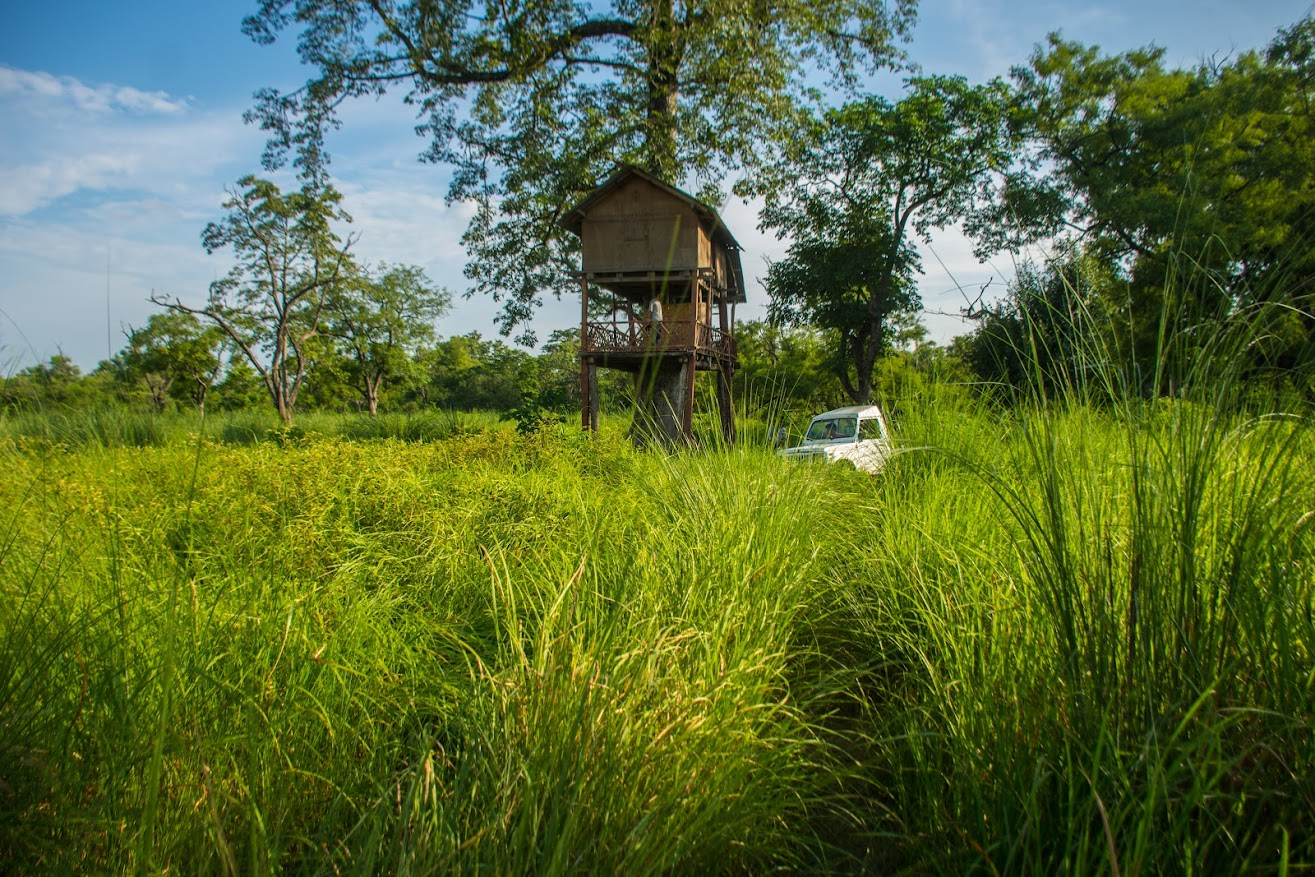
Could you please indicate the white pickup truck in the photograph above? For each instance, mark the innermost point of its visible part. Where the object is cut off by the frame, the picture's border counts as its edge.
(857, 434)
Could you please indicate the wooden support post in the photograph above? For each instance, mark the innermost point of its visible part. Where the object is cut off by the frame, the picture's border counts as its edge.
(592, 381)
(688, 425)
(588, 387)
(694, 297)
(725, 403)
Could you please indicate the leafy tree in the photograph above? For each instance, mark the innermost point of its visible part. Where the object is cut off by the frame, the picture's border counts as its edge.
(851, 192)
(379, 320)
(912, 379)
(1062, 326)
(470, 372)
(57, 382)
(327, 386)
(1197, 184)
(174, 351)
(557, 387)
(288, 258)
(786, 367)
(240, 388)
(533, 103)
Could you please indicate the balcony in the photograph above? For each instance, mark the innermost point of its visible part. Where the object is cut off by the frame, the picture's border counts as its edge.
(625, 340)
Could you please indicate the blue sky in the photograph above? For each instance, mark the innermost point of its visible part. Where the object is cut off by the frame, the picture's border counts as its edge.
(120, 125)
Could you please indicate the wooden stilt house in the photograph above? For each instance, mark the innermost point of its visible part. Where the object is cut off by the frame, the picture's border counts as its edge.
(671, 274)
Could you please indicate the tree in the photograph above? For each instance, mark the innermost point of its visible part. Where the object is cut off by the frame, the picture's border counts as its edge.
(174, 352)
(1197, 184)
(851, 191)
(241, 387)
(469, 372)
(533, 103)
(288, 258)
(784, 367)
(557, 387)
(56, 382)
(1064, 326)
(379, 321)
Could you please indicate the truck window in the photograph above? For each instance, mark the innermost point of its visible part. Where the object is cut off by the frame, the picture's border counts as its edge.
(871, 429)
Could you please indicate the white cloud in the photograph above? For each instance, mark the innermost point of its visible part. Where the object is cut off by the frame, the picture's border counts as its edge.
(64, 138)
(28, 187)
(102, 98)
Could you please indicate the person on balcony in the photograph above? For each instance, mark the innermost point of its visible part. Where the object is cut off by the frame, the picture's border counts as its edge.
(654, 319)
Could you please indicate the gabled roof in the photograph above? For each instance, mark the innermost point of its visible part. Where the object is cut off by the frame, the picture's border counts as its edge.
(573, 218)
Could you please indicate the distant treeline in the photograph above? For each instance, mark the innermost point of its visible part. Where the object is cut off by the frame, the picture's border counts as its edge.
(781, 368)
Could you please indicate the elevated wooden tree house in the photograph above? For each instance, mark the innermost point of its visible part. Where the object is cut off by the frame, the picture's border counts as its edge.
(671, 277)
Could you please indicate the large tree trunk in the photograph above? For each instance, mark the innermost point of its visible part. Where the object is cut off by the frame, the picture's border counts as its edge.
(663, 74)
(372, 396)
(282, 407)
(661, 397)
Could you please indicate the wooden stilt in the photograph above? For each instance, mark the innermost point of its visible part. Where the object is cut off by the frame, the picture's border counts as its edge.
(588, 387)
(688, 419)
(725, 403)
(592, 381)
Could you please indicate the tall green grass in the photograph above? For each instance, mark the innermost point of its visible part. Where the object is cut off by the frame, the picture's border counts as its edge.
(120, 427)
(488, 653)
(1073, 634)
(1092, 619)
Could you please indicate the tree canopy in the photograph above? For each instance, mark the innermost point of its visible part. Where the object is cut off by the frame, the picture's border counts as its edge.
(288, 257)
(852, 190)
(1188, 193)
(174, 354)
(533, 103)
(378, 320)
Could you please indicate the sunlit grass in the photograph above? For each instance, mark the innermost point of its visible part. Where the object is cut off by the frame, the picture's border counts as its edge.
(1074, 635)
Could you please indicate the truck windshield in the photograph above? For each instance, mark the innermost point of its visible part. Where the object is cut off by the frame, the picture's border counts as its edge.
(834, 428)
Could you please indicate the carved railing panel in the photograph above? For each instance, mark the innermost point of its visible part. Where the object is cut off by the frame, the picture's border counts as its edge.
(672, 335)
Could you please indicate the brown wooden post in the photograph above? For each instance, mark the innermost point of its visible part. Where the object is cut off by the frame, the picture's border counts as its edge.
(694, 297)
(592, 380)
(725, 400)
(688, 424)
(725, 403)
(587, 386)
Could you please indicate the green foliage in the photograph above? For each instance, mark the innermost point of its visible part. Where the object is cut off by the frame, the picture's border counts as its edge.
(378, 321)
(851, 191)
(58, 382)
(1094, 662)
(109, 426)
(470, 372)
(1195, 181)
(240, 388)
(287, 259)
(1055, 637)
(174, 355)
(1056, 324)
(784, 367)
(532, 105)
(454, 651)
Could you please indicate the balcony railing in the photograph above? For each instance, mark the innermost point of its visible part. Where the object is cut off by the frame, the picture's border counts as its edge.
(672, 336)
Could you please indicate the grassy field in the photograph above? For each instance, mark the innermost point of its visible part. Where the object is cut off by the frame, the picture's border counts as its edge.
(1051, 639)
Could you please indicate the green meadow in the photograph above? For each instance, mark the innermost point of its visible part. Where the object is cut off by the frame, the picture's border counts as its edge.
(1057, 637)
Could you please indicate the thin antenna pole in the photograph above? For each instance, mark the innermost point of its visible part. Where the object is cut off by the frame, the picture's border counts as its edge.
(109, 338)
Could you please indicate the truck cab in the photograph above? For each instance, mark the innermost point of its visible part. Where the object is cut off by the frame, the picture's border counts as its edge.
(857, 435)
